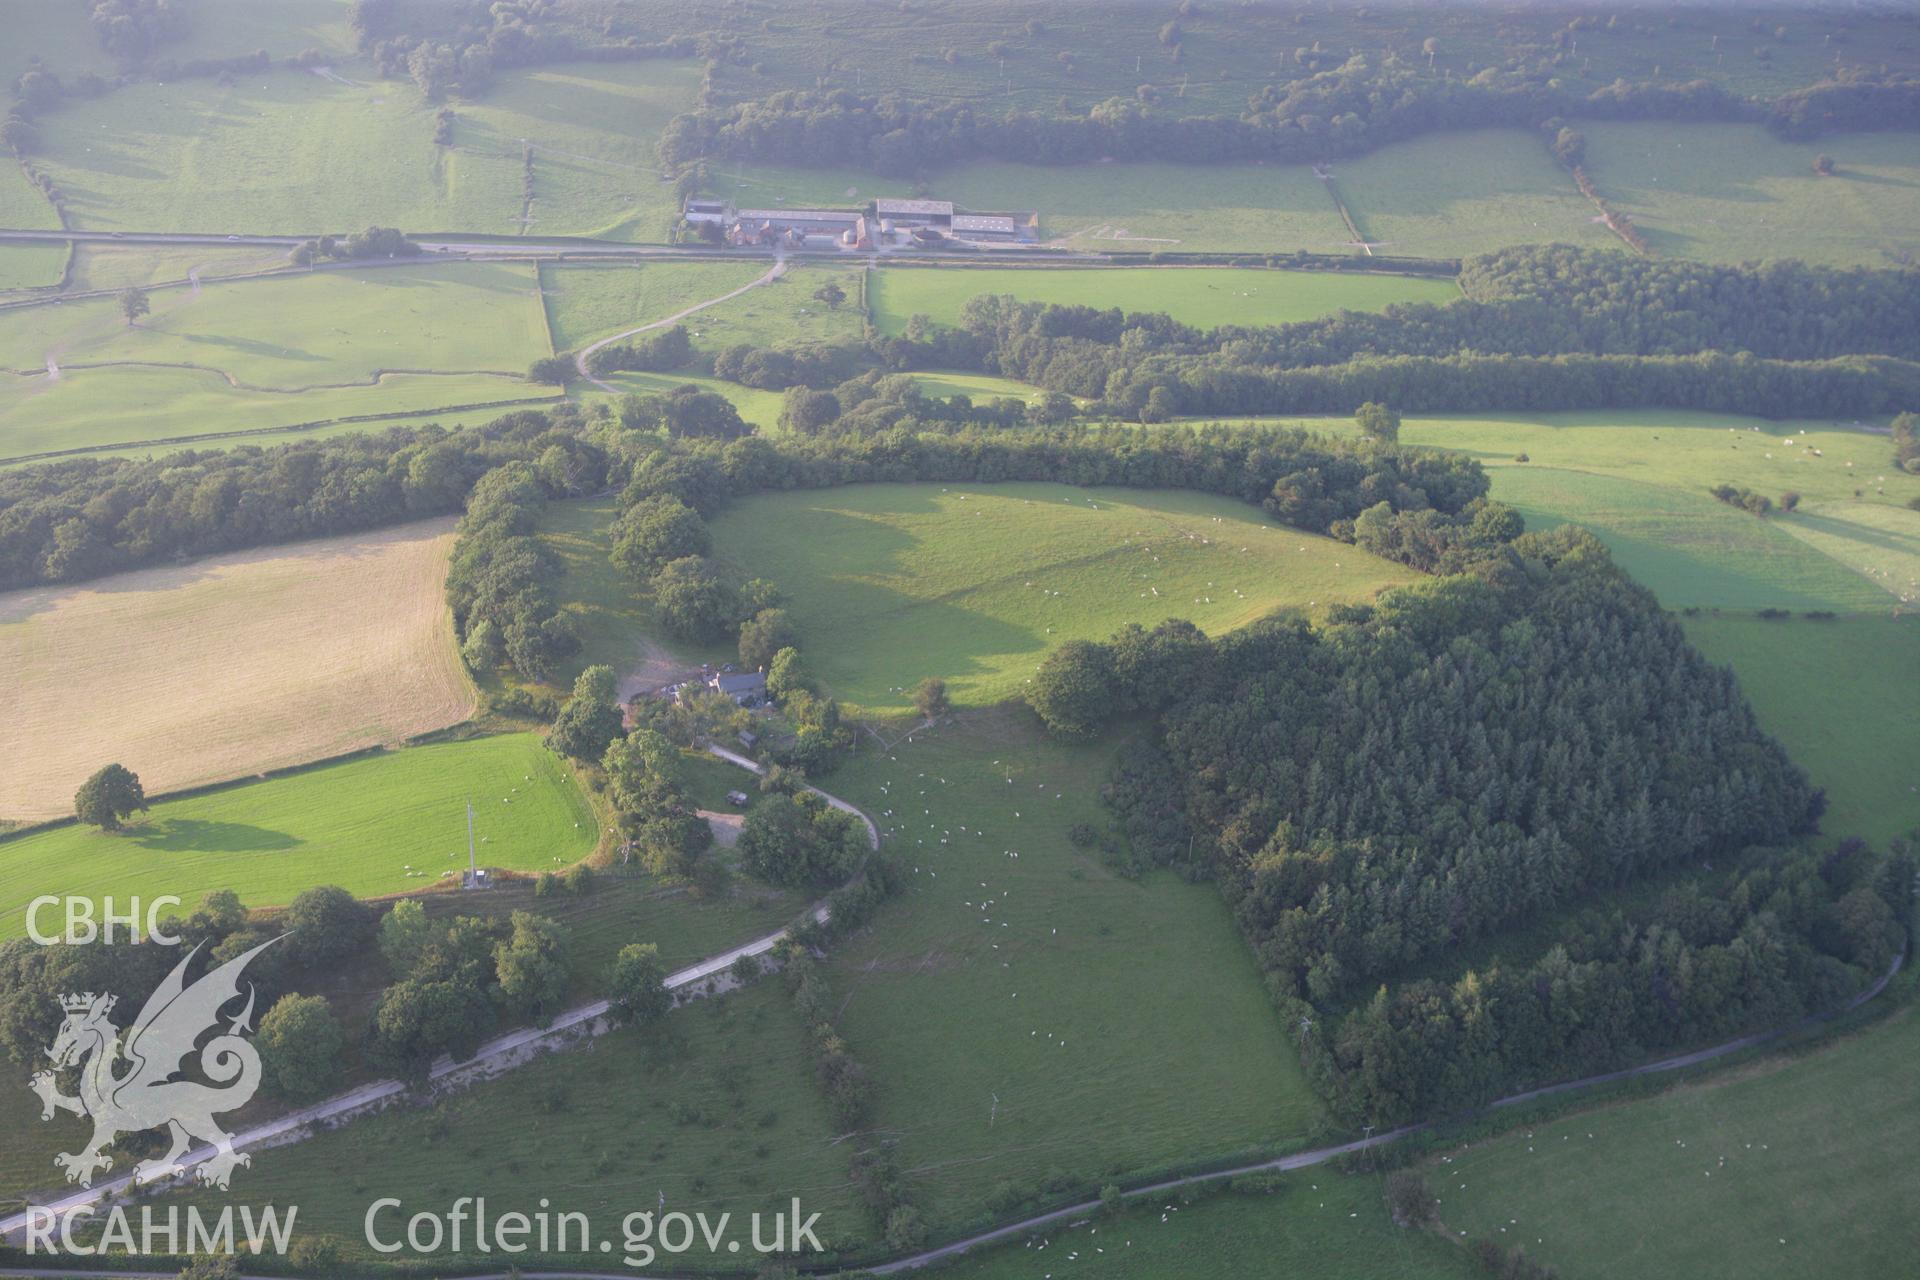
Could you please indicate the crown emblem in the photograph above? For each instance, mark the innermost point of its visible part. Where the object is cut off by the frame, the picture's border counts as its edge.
(85, 1001)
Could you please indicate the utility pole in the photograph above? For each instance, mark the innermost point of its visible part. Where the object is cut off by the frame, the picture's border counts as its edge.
(993, 1114)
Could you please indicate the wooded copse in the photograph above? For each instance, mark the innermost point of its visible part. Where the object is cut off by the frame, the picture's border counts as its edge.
(1468, 757)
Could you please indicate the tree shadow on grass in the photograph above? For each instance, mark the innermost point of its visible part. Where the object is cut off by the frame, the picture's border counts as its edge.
(197, 835)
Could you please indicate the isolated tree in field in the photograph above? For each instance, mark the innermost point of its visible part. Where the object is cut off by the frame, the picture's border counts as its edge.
(1378, 422)
(1408, 1199)
(763, 636)
(637, 985)
(1906, 441)
(930, 696)
(300, 1043)
(133, 304)
(1823, 165)
(831, 294)
(107, 798)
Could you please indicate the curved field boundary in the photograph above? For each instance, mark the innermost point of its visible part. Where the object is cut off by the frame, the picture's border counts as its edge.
(245, 432)
(503, 1052)
(778, 269)
(232, 380)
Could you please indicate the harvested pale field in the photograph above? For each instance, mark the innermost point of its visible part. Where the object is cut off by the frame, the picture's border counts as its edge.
(228, 666)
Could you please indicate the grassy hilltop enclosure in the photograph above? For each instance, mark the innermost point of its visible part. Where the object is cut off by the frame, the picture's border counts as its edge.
(403, 829)
(229, 666)
(890, 583)
(1198, 296)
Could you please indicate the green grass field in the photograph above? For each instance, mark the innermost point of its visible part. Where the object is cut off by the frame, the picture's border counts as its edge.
(31, 264)
(1789, 1166)
(892, 583)
(1729, 193)
(587, 301)
(22, 207)
(296, 332)
(761, 408)
(1835, 694)
(1198, 296)
(592, 127)
(714, 1110)
(115, 266)
(1318, 1223)
(1122, 1024)
(1691, 549)
(977, 387)
(125, 407)
(1640, 481)
(269, 840)
(188, 155)
(181, 156)
(1449, 195)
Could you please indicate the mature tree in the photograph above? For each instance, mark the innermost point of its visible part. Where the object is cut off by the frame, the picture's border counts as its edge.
(133, 304)
(831, 294)
(109, 797)
(1073, 691)
(590, 719)
(300, 1043)
(930, 696)
(800, 841)
(404, 935)
(655, 531)
(637, 985)
(418, 1020)
(787, 675)
(533, 967)
(1823, 165)
(1378, 422)
(808, 411)
(693, 598)
(557, 369)
(763, 636)
(325, 925)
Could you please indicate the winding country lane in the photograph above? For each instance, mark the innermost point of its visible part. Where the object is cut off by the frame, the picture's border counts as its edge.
(778, 269)
(501, 1053)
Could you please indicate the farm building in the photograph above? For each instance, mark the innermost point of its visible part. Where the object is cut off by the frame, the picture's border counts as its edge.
(890, 222)
(747, 688)
(915, 213)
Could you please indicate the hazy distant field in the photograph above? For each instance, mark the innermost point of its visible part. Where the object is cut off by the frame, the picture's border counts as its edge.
(31, 264)
(84, 408)
(1201, 296)
(299, 331)
(115, 266)
(888, 584)
(1449, 195)
(589, 301)
(1730, 193)
(288, 151)
(229, 666)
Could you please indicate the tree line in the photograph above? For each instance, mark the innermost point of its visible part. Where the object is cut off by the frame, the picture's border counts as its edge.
(1364, 104)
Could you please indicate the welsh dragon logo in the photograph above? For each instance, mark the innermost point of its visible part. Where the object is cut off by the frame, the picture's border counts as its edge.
(131, 1083)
